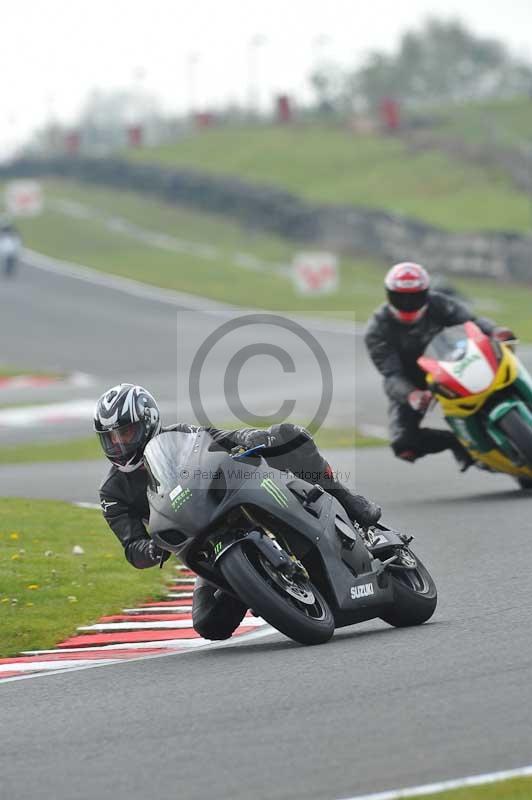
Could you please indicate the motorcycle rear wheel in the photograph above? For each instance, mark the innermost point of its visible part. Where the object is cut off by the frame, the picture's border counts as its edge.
(307, 624)
(416, 597)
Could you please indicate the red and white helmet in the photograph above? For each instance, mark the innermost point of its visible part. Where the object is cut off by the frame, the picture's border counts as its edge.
(407, 287)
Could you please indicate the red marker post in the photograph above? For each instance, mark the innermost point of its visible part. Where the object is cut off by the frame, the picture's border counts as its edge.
(135, 135)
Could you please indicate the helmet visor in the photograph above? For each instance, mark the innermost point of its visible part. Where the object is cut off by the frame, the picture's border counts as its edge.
(122, 442)
(408, 301)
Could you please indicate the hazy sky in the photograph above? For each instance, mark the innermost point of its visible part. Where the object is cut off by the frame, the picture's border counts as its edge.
(53, 52)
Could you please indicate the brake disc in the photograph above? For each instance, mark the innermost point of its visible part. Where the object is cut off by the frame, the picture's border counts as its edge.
(301, 593)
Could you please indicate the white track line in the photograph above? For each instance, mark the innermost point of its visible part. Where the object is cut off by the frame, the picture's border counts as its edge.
(174, 298)
(445, 786)
(152, 645)
(103, 627)
(77, 379)
(266, 631)
(25, 416)
(24, 666)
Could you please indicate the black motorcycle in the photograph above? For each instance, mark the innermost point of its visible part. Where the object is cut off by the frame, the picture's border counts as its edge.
(282, 546)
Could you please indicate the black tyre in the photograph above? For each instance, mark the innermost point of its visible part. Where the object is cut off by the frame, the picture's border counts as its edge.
(415, 597)
(257, 585)
(519, 433)
(525, 483)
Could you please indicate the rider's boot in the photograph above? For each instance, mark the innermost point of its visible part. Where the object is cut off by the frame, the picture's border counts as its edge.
(359, 508)
(462, 456)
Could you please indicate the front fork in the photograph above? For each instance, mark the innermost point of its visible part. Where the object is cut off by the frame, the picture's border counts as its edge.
(266, 544)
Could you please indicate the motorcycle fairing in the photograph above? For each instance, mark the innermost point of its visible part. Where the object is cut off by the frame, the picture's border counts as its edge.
(480, 434)
(215, 486)
(474, 377)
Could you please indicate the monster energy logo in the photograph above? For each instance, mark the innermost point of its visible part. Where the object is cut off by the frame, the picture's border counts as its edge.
(180, 497)
(275, 492)
(217, 548)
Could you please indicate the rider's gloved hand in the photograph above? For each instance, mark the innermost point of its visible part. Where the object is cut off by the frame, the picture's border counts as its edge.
(503, 334)
(419, 400)
(253, 437)
(157, 554)
(364, 511)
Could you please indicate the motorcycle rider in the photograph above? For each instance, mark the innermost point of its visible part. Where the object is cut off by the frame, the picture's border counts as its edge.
(126, 418)
(396, 336)
(10, 246)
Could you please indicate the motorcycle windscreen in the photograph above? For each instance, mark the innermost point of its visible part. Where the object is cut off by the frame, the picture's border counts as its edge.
(448, 345)
(165, 456)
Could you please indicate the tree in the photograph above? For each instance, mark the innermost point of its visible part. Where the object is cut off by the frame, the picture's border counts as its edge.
(106, 114)
(442, 63)
(327, 81)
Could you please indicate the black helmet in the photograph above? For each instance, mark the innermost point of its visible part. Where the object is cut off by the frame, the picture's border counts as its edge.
(126, 417)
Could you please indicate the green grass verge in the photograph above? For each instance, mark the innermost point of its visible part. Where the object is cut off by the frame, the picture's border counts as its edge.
(88, 448)
(503, 123)
(514, 789)
(89, 242)
(45, 590)
(82, 449)
(331, 438)
(331, 165)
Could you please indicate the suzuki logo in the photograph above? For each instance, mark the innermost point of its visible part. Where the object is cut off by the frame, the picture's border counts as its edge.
(364, 590)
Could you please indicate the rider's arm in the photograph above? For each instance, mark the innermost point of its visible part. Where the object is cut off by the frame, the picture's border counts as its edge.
(229, 438)
(129, 529)
(226, 438)
(454, 312)
(386, 358)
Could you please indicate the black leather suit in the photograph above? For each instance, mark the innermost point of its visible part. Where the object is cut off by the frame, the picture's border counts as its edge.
(126, 510)
(394, 349)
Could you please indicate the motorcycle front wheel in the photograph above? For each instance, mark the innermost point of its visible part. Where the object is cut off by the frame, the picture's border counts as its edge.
(519, 433)
(415, 597)
(292, 605)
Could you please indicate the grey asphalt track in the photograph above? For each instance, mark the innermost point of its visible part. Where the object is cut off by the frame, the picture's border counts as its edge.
(376, 708)
(60, 323)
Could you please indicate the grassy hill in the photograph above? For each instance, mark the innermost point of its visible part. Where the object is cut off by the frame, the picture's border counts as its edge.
(332, 165)
(504, 123)
(204, 254)
(215, 258)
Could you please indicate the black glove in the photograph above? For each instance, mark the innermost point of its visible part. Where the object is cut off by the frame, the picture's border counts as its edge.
(157, 554)
(360, 509)
(253, 437)
(367, 512)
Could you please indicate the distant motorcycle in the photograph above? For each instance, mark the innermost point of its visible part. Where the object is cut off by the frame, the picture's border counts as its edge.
(9, 249)
(282, 546)
(486, 396)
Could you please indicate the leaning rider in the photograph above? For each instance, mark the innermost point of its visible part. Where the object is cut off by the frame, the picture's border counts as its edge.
(396, 336)
(126, 418)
